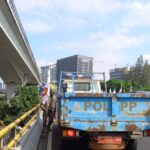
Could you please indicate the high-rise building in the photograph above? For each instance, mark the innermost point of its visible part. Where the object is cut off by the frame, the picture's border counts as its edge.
(44, 73)
(76, 63)
(117, 73)
(48, 73)
(52, 76)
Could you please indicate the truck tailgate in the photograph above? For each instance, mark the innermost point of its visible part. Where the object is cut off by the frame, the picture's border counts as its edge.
(119, 112)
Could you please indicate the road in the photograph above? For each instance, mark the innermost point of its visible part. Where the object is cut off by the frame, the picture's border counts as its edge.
(45, 142)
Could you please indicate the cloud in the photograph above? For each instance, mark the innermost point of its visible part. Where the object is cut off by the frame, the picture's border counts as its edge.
(111, 48)
(111, 42)
(115, 49)
(100, 29)
(88, 6)
(72, 22)
(146, 57)
(72, 6)
(118, 40)
(40, 23)
(43, 62)
(51, 15)
(31, 6)
(37, 26)
(138, 15)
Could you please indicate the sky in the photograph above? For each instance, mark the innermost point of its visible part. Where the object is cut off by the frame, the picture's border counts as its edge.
(113, 32)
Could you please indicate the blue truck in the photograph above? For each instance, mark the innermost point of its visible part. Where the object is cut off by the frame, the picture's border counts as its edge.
(91, 119)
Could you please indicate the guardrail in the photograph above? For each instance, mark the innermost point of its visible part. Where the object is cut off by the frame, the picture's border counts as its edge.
(12, 126)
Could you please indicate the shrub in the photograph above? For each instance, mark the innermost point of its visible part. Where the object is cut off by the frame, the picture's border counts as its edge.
(25, 98)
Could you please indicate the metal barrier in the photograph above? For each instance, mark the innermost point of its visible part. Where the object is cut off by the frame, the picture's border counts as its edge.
(11, 126)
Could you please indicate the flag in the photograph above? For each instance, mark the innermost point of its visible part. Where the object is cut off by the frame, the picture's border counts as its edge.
(43, 89)
(114, 91)
(120, 91)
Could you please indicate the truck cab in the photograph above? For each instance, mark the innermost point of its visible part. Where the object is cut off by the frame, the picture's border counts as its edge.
(83, 85)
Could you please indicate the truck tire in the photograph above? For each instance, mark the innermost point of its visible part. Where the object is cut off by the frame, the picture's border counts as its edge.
(132, 145)
(56, 137)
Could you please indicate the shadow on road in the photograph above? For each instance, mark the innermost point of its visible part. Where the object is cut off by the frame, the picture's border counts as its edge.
(42, 145)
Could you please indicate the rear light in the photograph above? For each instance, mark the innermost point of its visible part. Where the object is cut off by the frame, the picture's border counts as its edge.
(64, 133)
(70, 133)
(147, 133)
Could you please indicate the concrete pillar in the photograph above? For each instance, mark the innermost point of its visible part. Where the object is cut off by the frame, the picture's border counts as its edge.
(25, 78)
(10, 90)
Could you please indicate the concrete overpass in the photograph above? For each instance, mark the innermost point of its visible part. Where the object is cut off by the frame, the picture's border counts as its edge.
(17, 64)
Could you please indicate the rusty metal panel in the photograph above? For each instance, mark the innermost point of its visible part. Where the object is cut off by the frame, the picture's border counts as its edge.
(118, 112)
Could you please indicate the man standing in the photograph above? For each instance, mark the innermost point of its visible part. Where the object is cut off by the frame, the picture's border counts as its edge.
(44, 101)
(53, 105)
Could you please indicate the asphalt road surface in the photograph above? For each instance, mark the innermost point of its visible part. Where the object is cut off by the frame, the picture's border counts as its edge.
(45, 142)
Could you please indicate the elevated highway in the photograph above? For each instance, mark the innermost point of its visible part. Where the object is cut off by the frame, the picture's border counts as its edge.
(17, 63)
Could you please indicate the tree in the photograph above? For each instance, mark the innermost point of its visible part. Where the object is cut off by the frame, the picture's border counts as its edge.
(119, 84)
(138, 71)
(146, 74)
(138, 75)
(25, 98)
(129, 76)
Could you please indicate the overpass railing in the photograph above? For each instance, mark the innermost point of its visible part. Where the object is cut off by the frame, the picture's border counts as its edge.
(10, 135)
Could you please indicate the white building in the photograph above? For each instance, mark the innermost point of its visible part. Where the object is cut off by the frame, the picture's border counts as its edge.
(48, 73)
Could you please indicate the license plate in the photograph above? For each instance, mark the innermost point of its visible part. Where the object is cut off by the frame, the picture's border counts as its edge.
(110, 140)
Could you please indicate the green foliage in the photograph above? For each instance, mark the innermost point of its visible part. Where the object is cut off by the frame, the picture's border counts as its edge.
(139, 75)
(136, 86)
(118, 84)
(126, 86)
(25, 98)
(146, 88)
(4, 107)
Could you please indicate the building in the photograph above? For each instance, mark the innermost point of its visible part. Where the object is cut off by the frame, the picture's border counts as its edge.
(44, 73)
(76, 63)
(117, 73)
(48, 73)
(52, 76)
